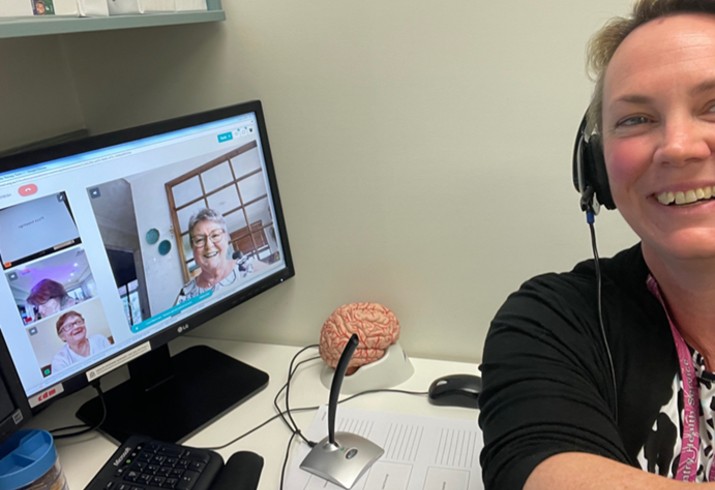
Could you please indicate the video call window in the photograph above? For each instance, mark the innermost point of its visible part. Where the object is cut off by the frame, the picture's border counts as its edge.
(155, 278)
(48, 285)
(235, 186)
(35, 229)
(51, 338)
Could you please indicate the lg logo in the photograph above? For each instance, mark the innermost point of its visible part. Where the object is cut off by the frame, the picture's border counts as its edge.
(183, 328)
(46, 395)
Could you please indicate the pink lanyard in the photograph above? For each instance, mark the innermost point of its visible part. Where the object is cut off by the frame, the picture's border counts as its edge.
(688, 465)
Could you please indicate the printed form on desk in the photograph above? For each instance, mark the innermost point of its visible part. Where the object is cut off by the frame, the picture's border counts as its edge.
(421, 453)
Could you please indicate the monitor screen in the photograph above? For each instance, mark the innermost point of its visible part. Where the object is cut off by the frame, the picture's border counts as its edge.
(113, 245)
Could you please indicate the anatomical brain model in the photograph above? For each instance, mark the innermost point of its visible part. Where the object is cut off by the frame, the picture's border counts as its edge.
(375, 324)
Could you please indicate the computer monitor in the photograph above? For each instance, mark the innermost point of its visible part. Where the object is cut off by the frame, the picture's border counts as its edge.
(14, 407)
(113, 245)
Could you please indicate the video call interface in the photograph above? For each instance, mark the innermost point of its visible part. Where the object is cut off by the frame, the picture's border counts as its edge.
(98, 246)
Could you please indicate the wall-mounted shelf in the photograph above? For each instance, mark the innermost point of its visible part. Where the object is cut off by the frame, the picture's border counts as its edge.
(40, 26)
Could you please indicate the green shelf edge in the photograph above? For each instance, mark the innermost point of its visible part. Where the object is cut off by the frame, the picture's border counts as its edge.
(41, 26)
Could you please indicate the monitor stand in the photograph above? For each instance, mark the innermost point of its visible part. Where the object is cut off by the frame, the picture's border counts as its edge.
(171, 397)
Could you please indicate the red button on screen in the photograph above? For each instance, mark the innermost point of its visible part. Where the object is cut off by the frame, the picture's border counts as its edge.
(27, 190)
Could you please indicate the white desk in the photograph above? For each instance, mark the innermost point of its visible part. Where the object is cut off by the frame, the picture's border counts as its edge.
(81, 457)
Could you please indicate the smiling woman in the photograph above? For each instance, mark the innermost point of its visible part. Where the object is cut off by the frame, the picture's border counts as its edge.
(219, 266)
(72, 329)
(658, 126)
(603, 377)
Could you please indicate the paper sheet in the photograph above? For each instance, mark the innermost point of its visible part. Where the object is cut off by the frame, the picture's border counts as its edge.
(421, 453)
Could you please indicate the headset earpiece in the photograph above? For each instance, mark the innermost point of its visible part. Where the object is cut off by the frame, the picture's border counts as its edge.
(589, 171)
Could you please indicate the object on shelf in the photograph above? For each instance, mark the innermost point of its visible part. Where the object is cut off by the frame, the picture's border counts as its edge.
(33, 25)
(174, 5)
(59, 7)
(159, 5)
(123, 7)
(15, 8)
(182, 5)
(53, 8)
(77, 8)
(93, 8)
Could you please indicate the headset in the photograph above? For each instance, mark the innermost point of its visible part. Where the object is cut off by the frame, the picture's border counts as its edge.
(591, 181)
(589, 170)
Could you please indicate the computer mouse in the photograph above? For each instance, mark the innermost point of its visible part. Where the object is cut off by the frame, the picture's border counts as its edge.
(241, 472)
(456, 390)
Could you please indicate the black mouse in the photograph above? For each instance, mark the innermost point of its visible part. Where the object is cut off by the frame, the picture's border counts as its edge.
(456, 390)
(241, 472)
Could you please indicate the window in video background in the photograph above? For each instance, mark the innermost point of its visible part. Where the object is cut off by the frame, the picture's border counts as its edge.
(235, 186)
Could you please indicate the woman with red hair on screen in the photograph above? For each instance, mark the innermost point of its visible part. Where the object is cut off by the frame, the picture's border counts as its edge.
(49, 297)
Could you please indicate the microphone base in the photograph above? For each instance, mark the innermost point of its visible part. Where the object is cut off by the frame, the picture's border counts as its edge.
(342, 463)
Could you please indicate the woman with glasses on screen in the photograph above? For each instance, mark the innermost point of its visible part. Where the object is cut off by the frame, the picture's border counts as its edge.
(219, 266)
(72, 329)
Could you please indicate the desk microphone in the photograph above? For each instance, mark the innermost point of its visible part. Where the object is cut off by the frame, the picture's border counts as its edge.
(341, 458)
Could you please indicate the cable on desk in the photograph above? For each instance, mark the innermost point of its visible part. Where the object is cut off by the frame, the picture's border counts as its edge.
(58, 433)
(290, 422)
(285, 459)
(307, 409)
(245, 434)
(281, 413)
(292, 426)
(366, 392)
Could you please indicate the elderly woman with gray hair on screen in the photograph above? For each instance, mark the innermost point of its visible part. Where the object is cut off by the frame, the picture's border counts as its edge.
(220, 267)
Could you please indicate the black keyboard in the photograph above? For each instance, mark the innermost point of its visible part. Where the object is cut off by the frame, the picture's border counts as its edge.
(142, 463)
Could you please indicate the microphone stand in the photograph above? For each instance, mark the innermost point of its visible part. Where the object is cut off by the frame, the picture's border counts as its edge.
(341, 458)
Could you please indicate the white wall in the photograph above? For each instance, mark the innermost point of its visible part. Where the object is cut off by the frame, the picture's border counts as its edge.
(423, 149)
(37, 95)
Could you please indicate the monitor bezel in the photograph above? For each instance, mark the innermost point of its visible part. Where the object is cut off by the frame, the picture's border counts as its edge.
(10, 384)
(162, 337)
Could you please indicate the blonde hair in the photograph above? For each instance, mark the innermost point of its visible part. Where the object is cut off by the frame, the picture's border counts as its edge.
(604, 43)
